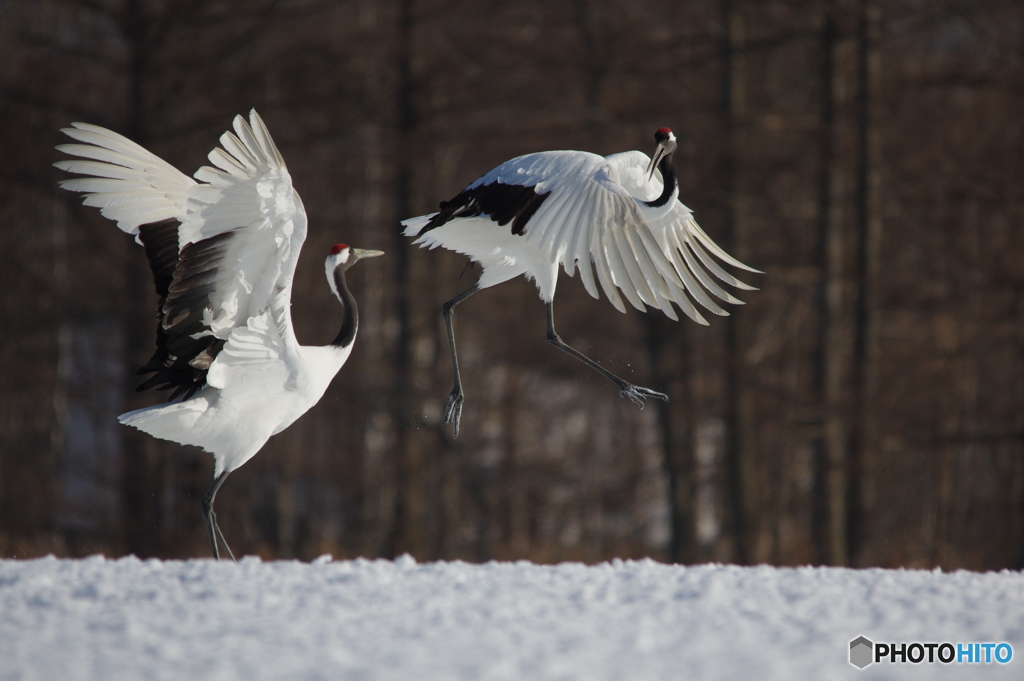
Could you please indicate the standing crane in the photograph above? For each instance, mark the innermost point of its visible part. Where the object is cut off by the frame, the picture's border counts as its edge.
(619, 213)
(223, 252)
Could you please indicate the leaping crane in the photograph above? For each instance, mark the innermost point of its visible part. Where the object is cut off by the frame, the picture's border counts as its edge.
(620, 213)
(223, 252)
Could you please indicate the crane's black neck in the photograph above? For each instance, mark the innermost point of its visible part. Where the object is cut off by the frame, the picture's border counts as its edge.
(349, 312)
(668, 174)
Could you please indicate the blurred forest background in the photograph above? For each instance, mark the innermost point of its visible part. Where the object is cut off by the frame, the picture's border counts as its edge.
(866, 407)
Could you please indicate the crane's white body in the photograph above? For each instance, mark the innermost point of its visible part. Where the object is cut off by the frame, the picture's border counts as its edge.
(259, 397)
(595, 214)
(262, 380)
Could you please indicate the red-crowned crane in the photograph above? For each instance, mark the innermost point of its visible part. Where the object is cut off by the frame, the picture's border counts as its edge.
(621, 213)
(223, 252)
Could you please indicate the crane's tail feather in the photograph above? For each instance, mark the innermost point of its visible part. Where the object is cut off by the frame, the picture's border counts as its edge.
(172, 421)
(178, 422)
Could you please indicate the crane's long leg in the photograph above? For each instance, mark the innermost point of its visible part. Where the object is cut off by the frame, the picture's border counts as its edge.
(216, 536)
(453, 412)
(634, 392)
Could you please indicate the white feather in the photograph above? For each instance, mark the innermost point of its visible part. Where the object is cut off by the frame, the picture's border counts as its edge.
(594, 216)
(262, 380)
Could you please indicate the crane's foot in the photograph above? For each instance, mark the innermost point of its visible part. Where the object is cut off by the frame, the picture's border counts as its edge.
(217, 540)
(453, 412)
(210, 518)
(638, 395)
(223, 542)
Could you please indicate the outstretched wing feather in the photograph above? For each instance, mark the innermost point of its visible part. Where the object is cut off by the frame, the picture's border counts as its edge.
(650, 263)
(714, 267)
(239, 233)
(593, 216)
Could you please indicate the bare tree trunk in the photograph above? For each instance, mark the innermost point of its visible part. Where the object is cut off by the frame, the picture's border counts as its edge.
(869, 228)
(592, 24)
(140, 474)
(667, 348)
(836, 174)
(403, 536)
(739, 449)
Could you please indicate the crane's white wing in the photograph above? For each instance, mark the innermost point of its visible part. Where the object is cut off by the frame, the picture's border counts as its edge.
(240, 231)
(127, 183)
(249, 194)
(256, 345)
(588, 210)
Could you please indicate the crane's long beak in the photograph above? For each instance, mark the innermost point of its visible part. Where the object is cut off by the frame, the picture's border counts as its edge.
(359, 254)
(659, 153)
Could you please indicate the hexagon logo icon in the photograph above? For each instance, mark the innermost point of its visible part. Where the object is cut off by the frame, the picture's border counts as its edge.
(860, 652)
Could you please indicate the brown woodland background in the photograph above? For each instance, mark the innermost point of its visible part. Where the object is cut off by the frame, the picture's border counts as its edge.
(866, 407)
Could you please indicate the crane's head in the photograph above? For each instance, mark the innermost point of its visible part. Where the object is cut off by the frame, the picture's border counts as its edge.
(345, 255)
(665, 145)
(342, 257)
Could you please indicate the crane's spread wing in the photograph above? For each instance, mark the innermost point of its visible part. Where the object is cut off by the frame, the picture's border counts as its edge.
(127, 183)
(227, 254)
(256, 345)
(579, 209)
(183, 352)
(654, 256)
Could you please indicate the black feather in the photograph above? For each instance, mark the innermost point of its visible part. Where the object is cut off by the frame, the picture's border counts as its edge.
(503, 203)
(184, 283)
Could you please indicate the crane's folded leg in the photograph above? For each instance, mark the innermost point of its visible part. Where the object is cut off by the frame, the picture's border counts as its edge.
(216, 536)
(635, 393)
(453, 412)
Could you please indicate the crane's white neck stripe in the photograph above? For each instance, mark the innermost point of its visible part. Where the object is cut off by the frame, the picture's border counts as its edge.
(330, 265)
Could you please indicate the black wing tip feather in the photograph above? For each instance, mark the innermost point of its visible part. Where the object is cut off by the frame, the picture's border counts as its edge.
(184, 281)
(503, 203)
(160, 240)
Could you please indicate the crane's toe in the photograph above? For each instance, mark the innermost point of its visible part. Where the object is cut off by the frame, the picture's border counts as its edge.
(453, 413)
(647, 392)
(638, 395)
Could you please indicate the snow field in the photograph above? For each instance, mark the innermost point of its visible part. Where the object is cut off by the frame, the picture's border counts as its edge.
(367, 620)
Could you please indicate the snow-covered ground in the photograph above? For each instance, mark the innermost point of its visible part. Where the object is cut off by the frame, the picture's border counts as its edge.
(132, 619)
